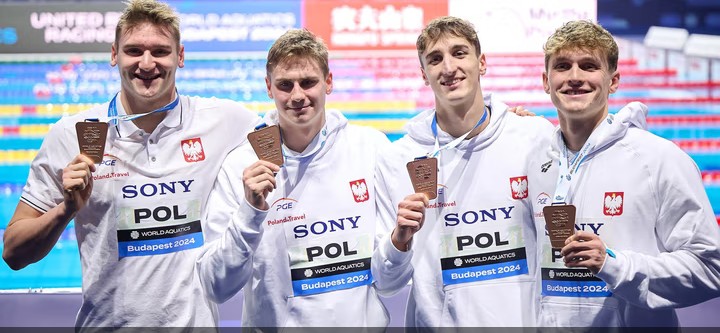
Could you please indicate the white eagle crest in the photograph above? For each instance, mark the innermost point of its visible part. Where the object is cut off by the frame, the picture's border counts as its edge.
(613, 204)
(519, 187)
(359, 189)
(192, 149)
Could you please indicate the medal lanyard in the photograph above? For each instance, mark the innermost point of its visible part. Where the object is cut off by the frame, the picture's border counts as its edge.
(113, 116)
(569, 168)
(454, 143)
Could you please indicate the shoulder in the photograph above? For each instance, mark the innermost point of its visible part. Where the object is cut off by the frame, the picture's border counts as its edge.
(226, 107)
(366, 134)
(238, 159)
(654, 149)
(532, 124)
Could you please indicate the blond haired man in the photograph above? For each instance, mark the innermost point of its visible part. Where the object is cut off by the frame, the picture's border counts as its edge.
(646, 240)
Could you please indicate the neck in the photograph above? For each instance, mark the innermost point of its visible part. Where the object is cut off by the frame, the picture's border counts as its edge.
(150, 122)
(298, 138)
(577, 131)
(456, 121)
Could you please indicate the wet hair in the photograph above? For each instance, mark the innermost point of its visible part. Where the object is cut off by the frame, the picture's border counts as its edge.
(158, 13)
(582, 35)
(446, 26)
(298, 43)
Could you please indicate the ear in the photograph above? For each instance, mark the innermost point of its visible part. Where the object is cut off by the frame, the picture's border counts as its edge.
(329, 84)
(181, 56)
(113, 55)
(427, 82)
(482, 64)
(546, 84)
(267, 85)
(615, 82)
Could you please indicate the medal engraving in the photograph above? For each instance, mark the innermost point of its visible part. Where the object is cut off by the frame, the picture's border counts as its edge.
(423, 175)
(91, 139)
(560, 223)
(267, 144)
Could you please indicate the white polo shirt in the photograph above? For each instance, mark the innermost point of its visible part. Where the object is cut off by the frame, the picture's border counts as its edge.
(141, 230)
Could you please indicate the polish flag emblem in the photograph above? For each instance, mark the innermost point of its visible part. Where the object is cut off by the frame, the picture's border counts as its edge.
(359, 190)
(613, 203)
(519, 187)
(192, 150)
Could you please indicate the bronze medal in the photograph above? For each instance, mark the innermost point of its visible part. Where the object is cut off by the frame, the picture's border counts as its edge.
(91, 139)
(560, 223)
(423, 175)
(267, 144)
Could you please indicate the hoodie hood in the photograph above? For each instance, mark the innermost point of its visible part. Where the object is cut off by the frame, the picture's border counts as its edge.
(632, 115)
(335, 121)
(419, 128)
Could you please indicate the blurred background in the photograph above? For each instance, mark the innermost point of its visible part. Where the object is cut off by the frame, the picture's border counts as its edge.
(54, 61)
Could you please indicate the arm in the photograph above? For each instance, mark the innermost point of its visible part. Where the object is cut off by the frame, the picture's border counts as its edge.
(687, 271)
(31, 234)
(226, 264)
(391, 266)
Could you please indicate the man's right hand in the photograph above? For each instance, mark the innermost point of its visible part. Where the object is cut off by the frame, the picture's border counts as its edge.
(259, 181)
(77, 183)
(410, 218)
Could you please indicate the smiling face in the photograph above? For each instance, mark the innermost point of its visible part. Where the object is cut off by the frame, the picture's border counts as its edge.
(299, 87)
(452, 68)
(579, 84)
(147, 57)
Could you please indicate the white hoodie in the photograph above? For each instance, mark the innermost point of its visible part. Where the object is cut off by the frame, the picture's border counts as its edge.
(644, 197)
(480, 225)
(320, 226)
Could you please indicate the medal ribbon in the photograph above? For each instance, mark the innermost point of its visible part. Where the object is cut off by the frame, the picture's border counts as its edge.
(113, 116)
(453, 143)
(569, 168)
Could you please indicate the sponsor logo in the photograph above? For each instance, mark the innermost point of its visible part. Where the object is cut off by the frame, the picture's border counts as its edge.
(153, 189)
(546, 166)
(359, 190)
(285, 219)
(321, 227)
(192, 150)
(519, 187)
(481, 215)
(613, 203)
(284, 204)
(543, 199)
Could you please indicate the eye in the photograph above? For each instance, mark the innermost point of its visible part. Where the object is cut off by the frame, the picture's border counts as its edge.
(561, 66)
(161, 52)
(590, 66)
(284, 85)
(434, 59)
(460, 53)
(133, 51)
(308, 83)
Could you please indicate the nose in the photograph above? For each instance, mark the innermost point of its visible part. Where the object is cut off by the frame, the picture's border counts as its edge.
(147, 61)
(448, 66)
(575, 75)
(297, 95)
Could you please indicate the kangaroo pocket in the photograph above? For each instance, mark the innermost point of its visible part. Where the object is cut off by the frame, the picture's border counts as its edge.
(507, 304)
(580, 314)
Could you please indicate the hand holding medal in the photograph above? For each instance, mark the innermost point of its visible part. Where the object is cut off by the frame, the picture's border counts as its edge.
(259, 178)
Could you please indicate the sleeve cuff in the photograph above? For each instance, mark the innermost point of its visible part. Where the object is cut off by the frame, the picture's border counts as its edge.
(255, 216)
(395, 256)
(612, 268)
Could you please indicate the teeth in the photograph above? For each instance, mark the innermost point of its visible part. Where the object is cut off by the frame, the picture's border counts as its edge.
(449, 83)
